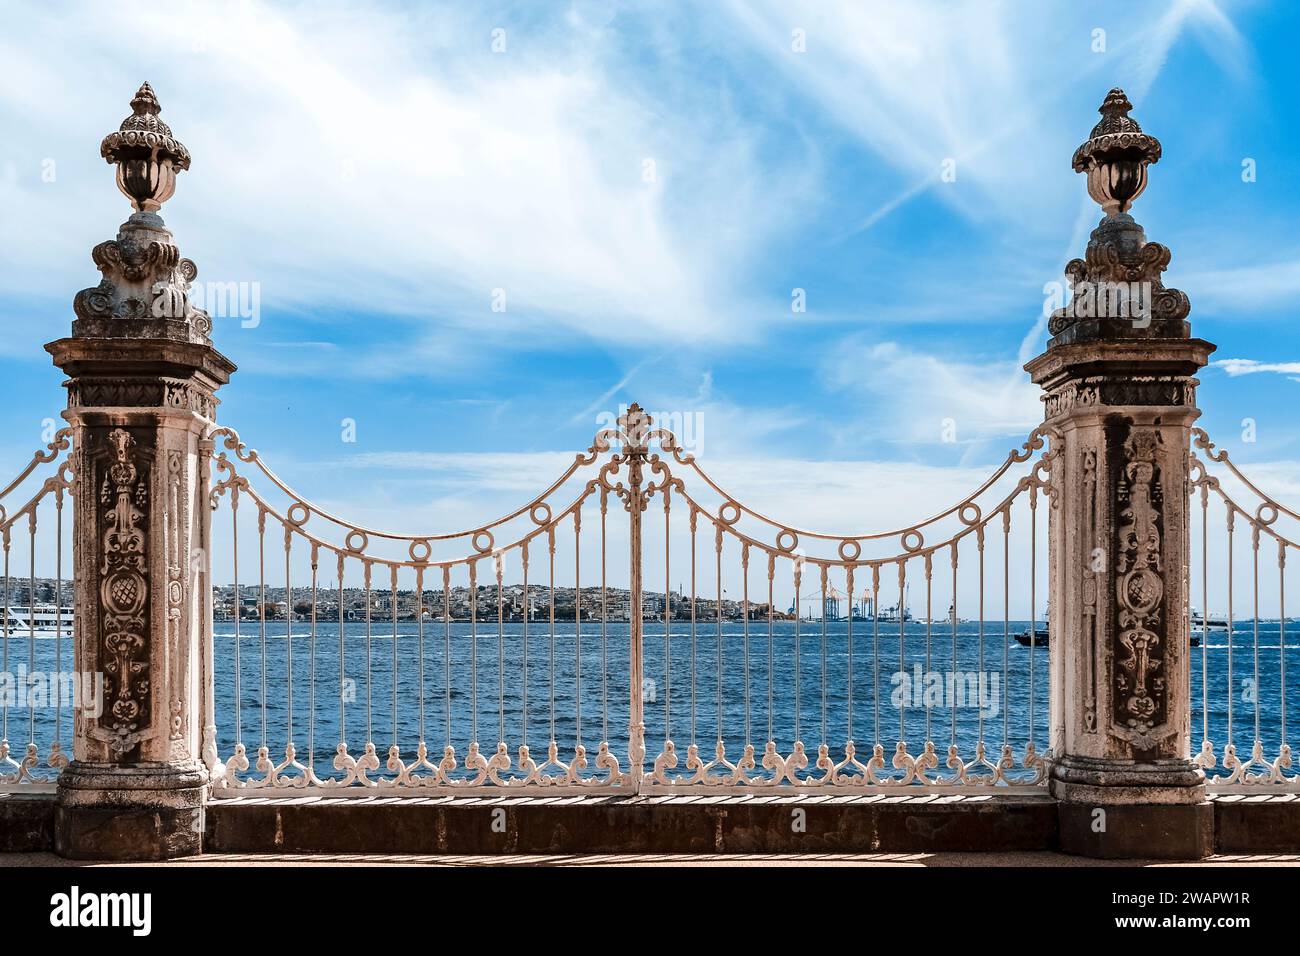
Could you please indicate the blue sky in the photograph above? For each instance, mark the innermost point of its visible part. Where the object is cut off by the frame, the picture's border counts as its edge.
(378, 171)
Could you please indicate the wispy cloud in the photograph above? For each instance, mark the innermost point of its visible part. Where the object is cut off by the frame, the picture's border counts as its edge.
(1240, 366)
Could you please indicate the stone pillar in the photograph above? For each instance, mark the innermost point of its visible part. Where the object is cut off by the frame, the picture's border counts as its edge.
(1121, 396)
(142, 376)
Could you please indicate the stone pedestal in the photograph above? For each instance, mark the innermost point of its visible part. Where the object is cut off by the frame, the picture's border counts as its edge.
(142, 376)
(1122, 413)
(139, 409)
(1120, 398)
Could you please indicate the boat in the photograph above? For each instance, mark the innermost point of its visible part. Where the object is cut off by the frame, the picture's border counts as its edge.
(1036, 635)
(41, 621)
(1038, 638)
(1212, 622)
(1041, 636)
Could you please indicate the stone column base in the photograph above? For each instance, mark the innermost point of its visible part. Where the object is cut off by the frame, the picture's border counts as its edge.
(1137, 831)
(1077, 779)
(1114, 809)
(150, 811)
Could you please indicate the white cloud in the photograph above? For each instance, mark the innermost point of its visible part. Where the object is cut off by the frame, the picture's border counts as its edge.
(390, 163)
(909, 394)
(1239, 366)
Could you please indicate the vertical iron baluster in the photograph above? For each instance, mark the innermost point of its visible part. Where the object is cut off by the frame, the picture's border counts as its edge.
(392, 578)
(311, 685)
(419, 634)
(979, 545)
(343, 707)
(744, 565)
(798, 663)
(288, 628)
(604, 619)
(1033, 605)
(1281, 636)
(446, 647)
(528, 613)
(902, 643)
(550, 547)
(825, 738)
(577, 625)
(771, 574)
(875, 651)
(499, 568)
(694, 519)
(929, 633)
(31, 625)
(1231, 520)
(261, 601)
(668, 615)
(239, 611)
(58, 618)
(473, 651)
(367, 569)
(1205, 615)
(1006, 623)
(953, 663)
(5, 633)
(848, 600)
(1254, 546)
(717, 545)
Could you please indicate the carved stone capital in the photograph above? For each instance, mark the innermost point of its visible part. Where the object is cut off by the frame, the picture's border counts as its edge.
(145, 289)
(1117, 291)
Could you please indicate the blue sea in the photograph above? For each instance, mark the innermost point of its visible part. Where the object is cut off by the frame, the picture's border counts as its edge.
(824, 692)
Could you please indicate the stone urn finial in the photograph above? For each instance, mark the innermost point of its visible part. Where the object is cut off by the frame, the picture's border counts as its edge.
(1116, 156)
(145, 153)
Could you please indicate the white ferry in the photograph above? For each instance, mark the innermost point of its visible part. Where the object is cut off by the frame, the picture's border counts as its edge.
(1216, 622)
(41, 621)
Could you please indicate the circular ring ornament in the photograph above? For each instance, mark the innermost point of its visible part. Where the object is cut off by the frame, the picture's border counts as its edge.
(786, 541)
(912, 541)
(969, 508)
(419, 551)
(729, 513)
(543, 509)
(298, 514)
(479, 543)
(850, 549)
(356, 541)
(1267, 508)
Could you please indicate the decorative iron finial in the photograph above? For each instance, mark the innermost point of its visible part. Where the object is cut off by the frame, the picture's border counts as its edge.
(1116, 156)
(146, 154)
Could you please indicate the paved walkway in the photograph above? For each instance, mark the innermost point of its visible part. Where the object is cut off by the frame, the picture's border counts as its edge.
(729, 859)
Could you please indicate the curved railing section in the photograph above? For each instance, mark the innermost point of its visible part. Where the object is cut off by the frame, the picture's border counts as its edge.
(858, 667)
(37, 691)
(1240, 632)
(633, 600)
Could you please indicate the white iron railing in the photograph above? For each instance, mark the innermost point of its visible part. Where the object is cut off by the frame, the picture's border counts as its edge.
(532, 652)
(37, 689)
(1240, 694)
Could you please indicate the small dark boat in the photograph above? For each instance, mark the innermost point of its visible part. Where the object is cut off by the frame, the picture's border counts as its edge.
(1038, 638)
